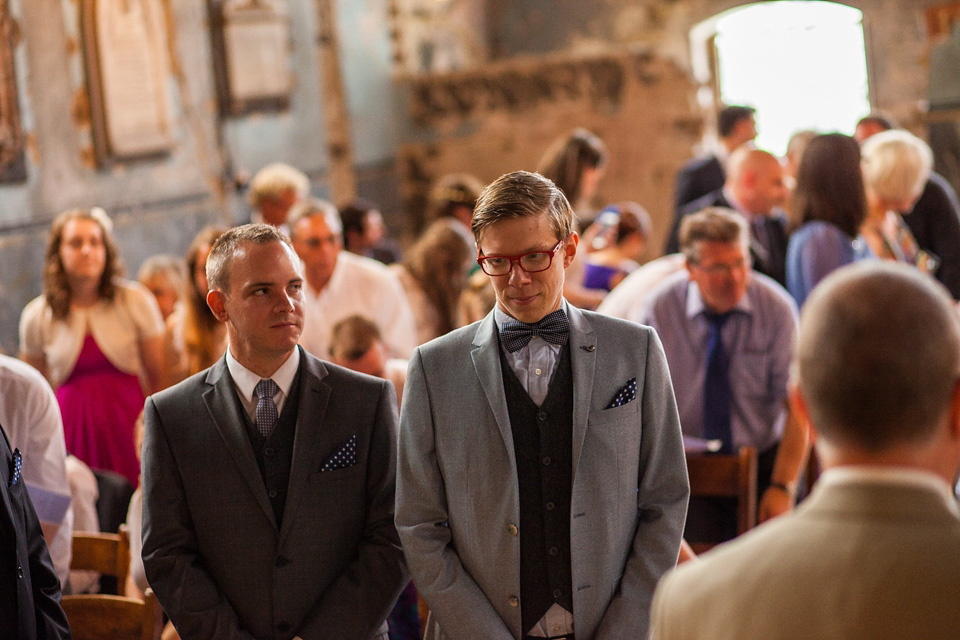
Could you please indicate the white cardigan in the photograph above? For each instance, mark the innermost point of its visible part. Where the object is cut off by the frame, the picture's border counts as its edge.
(117, 326)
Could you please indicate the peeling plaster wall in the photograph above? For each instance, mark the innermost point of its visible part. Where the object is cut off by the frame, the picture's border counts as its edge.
(159, 204)
(894, 30)
(504, 116)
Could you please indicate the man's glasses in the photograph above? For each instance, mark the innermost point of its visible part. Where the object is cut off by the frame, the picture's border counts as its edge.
(531, 262)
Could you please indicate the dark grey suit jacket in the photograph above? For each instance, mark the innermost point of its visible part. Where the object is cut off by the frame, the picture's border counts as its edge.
(211, 547)
(29, 588)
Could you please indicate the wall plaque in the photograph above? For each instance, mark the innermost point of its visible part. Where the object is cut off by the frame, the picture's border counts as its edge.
(251, 40)
(13, 166)
(128, 76)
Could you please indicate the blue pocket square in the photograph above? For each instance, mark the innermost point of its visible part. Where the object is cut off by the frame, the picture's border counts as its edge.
(16, 465)
(345, 456)
(627, 394)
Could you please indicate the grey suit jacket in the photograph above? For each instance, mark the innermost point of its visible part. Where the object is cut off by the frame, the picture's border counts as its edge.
(457, 492)
(856, 561)
(211, 547)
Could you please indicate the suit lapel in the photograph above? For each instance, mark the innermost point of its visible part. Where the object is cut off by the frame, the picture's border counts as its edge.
(314, 397)
(225, 411)
(583, 361)
(486, 360)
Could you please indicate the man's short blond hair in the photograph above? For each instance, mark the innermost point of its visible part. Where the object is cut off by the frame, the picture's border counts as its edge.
(274, 180)
(522, 194)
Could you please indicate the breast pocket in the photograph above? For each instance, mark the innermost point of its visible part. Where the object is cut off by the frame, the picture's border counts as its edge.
(623, 412)
(324, 477)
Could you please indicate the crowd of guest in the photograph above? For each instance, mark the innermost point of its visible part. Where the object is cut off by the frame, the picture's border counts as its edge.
(751, 238)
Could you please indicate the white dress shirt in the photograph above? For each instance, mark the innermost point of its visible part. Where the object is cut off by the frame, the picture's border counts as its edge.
(31, 417)
(359, 286)
(245, 381)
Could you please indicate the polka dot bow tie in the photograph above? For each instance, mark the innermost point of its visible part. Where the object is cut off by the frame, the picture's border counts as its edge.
(554, 328)
(345, 456)
(625, 395)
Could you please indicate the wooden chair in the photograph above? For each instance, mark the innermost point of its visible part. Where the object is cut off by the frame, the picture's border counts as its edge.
(105, 553)
(107, 617)
(726, 476)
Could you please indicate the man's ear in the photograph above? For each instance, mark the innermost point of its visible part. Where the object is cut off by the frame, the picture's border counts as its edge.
(570, 249)
(216, 300)
(954, 411)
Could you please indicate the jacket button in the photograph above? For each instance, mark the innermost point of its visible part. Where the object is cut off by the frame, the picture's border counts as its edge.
(550, 506)
(512, 529)
(554, 551)
(546, 461)
(19, 572)
(281, 562)
(557, 593)
(283, 627)
(542, 415)
(514, 601)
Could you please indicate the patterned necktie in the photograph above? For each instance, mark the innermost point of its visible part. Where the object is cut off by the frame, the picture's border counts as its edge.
(554, 328)
(716, 387)
(266, 409)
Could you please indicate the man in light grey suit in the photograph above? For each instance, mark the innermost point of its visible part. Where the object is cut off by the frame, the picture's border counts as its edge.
(874, 552)
(541, 487)
(269, 478)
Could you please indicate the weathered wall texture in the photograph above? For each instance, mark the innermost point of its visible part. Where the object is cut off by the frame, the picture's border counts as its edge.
(159, 203)
(503, 117)
(894, 30)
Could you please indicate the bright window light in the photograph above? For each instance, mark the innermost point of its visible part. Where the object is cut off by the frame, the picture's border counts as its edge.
(802, 65)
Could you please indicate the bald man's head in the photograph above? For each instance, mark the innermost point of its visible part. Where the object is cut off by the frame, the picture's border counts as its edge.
(878, 357)
(755, 178)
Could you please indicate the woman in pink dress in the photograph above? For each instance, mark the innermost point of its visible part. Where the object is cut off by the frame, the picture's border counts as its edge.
(97, 338)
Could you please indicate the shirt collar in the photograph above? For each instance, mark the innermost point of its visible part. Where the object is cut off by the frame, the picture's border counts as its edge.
(696, 306)
(891, 475)
(245, 380)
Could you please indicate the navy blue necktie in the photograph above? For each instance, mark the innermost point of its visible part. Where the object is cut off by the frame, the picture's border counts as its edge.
(716, 387)
(553, 327)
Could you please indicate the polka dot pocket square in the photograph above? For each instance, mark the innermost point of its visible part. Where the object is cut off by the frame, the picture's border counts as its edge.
(16, 466)
(345, 456)
(627, 394)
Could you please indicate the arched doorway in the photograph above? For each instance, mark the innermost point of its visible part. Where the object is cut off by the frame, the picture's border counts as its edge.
(801, 64)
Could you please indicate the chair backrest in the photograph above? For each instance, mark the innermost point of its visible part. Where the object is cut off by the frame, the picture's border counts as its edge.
(726, 476)
(105, 553)
(106, 617)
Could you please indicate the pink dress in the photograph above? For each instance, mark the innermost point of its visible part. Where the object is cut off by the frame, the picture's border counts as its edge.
(100, 405)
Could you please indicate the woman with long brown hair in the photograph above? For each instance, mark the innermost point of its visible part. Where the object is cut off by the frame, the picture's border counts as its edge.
(433, 274)
(195, 337)
(828, 206)
(97, 338)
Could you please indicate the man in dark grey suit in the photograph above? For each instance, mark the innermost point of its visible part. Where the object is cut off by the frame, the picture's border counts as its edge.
(30, 600)
(542, 485)
(269, 478)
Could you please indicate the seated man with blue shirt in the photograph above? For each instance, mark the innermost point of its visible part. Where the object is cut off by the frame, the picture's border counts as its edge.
(728, 334)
